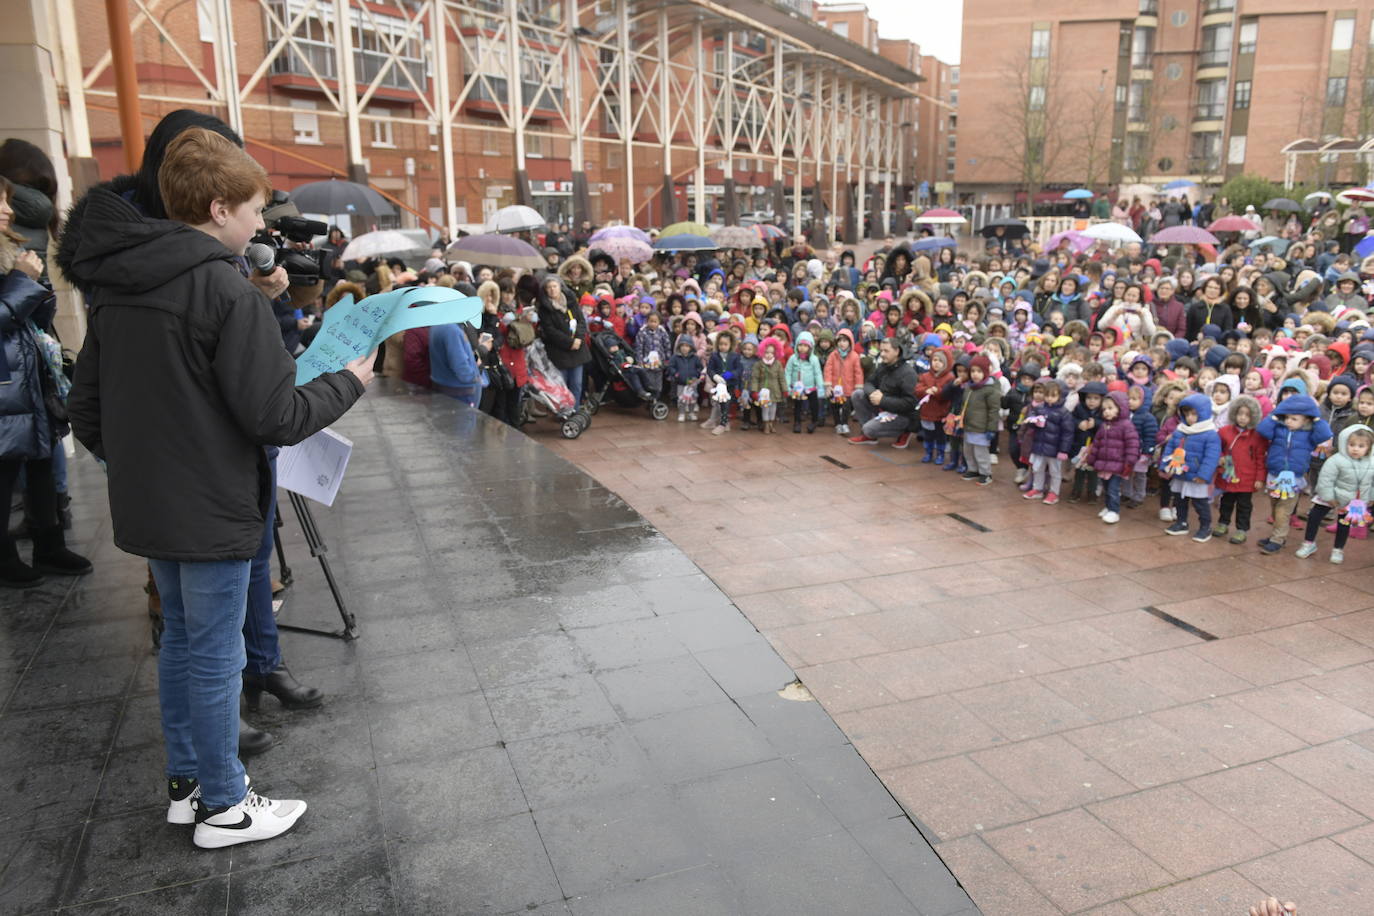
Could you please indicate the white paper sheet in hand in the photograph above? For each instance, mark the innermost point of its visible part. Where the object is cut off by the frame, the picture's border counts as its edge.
(315, 468)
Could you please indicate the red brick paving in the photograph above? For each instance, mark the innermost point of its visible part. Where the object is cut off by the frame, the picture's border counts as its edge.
(1072, 752)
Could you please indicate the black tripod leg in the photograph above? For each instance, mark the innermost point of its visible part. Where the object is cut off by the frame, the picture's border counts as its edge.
(319, 550)
(286, 577)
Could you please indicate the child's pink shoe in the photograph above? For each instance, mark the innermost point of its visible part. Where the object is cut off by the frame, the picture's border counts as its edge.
(1295, 522)
(1032, 494)
(1359, 532)
(1051, 499)
(1331, 528)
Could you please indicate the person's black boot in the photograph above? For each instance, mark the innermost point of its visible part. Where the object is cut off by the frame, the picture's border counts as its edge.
(14, 572)
(51, 556)
(64, 511)
(253, 741)
(281, 685)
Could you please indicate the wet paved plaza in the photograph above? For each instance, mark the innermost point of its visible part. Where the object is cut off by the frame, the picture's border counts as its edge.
(1010, 672)
(550, 710)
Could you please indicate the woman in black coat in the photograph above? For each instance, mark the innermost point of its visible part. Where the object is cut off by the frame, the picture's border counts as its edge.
(562, 327)
(29, 427)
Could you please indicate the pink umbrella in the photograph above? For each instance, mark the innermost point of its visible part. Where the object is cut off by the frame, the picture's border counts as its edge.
(624, 249)
(1077, 240)
(1233, 224)
(1183, 235)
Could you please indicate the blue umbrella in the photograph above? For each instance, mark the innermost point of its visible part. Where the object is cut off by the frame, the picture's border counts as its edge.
(684, 243)
(1179, 183)
(1079, 194)
(1365, 248)
(933, 242)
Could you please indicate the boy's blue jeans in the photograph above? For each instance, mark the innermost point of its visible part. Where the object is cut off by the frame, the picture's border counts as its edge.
(1113, 487)
(261, 640)
(200, 672)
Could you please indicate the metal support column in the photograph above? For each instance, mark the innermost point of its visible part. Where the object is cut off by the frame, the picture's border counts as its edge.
(126, 81)
(626, 102)
(701, 128)
(581, 202)
(348, 90)
(227, 64)
(515, 102)
(779, 191)
(665, 120)
(865, 139)
(799, 148)
(444, 106)
(730, 132)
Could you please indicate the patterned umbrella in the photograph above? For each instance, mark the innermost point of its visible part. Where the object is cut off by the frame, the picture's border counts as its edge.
(1356, 196)
(495, 250)
(1233, 223)
(1282, 203)
(686, 228)
(1183, 235)
(684, 242)
(624, 249)
(736, 237)
(768, 232)
(932, 242)
(619, 232)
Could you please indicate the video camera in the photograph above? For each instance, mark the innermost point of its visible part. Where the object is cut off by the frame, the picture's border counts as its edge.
(286, 225)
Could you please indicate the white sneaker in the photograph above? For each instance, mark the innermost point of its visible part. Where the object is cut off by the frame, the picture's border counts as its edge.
(1337, 556)
(681, 417)
(1168, 514)
(992, 458)
(1306, 550)
(1111, 518)
(254, 818)
(1021, 475)
(184, 796)
(1101, 512)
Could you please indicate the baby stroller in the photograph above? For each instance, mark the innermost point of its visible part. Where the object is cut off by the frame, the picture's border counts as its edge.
(548, 395)
(608, 380)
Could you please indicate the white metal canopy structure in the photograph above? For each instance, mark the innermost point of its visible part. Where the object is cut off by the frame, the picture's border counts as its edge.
(633, 76)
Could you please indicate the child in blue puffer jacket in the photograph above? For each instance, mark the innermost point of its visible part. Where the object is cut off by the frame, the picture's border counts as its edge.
(804, 379)
(1190, 458)
(1295, 430)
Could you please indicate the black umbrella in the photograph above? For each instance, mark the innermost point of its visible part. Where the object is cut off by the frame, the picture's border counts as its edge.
(335, 197)
(1011, 228)
(1282, 203)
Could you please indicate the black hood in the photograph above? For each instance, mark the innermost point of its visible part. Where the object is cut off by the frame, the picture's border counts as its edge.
(108, 244)
(33, 213)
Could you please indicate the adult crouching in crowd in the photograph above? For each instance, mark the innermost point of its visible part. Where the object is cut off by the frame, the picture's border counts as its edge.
(883, 408)
(180, 401)
(32, 416)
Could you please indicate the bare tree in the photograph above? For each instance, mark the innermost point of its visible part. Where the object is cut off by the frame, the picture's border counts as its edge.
(1145, 125)
(1030, 115)
(1093, 133)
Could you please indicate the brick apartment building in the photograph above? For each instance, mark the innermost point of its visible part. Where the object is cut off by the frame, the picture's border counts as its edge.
(654, 139)
(1120, 91)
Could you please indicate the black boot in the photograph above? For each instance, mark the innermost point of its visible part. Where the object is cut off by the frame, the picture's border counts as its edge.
(14, 572)
(64, 511)
(253, 741)
(281, 685)
(51, 556)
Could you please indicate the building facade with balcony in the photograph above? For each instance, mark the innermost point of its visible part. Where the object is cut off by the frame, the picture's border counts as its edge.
(1200, 89)
(626, 109)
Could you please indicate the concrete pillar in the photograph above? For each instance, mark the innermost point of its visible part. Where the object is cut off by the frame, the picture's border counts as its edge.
(27, 59)
(582, 200)
(731, 202)
(851, 231)
(669, 201)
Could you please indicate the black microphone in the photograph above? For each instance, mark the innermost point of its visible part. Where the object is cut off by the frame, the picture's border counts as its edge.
(262, 258)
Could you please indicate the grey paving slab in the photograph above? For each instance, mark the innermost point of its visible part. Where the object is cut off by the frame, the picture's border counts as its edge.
(550, 710)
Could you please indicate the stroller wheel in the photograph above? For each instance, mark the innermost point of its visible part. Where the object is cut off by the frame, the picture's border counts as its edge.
(586, 418)
(592, 404)
(659, 410)
(571, 428)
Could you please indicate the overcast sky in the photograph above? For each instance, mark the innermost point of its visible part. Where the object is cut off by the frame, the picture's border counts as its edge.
(932, 24)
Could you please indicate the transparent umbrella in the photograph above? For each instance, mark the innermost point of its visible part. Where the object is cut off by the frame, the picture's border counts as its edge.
(516, 218)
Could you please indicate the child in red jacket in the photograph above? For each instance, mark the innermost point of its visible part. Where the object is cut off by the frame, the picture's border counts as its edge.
(933, 406)
(844, 374)
(1240, 473)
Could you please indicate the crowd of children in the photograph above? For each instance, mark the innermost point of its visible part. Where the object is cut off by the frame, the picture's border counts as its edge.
(1078, 366)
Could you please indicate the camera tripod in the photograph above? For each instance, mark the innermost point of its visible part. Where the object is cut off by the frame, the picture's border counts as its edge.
(320, 551)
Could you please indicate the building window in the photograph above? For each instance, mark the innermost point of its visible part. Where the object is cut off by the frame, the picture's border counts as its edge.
(1121, 92)
(840, 28)
(1216, 46)
(1343, 34)
(433, 137)
(1138, 108)
(1179, 18)
(1035, 149)
(1211, 100)
(1040, 44)
(949, 166)
(954, 122)
(1142, 47)
(1037, 98)
(1369, 91)
(954, 76)
(381, 128)
(305, 122)
(954, 97)
(1235, 153)
(1205, 153)
(1133, 158)
(950, 144)
(1335, 92)
(1249, 32)
(1242, 95)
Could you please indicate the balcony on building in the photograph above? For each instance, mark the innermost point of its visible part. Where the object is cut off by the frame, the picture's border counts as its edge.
(312, 47)
(1216, 6)
(1149, 7)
